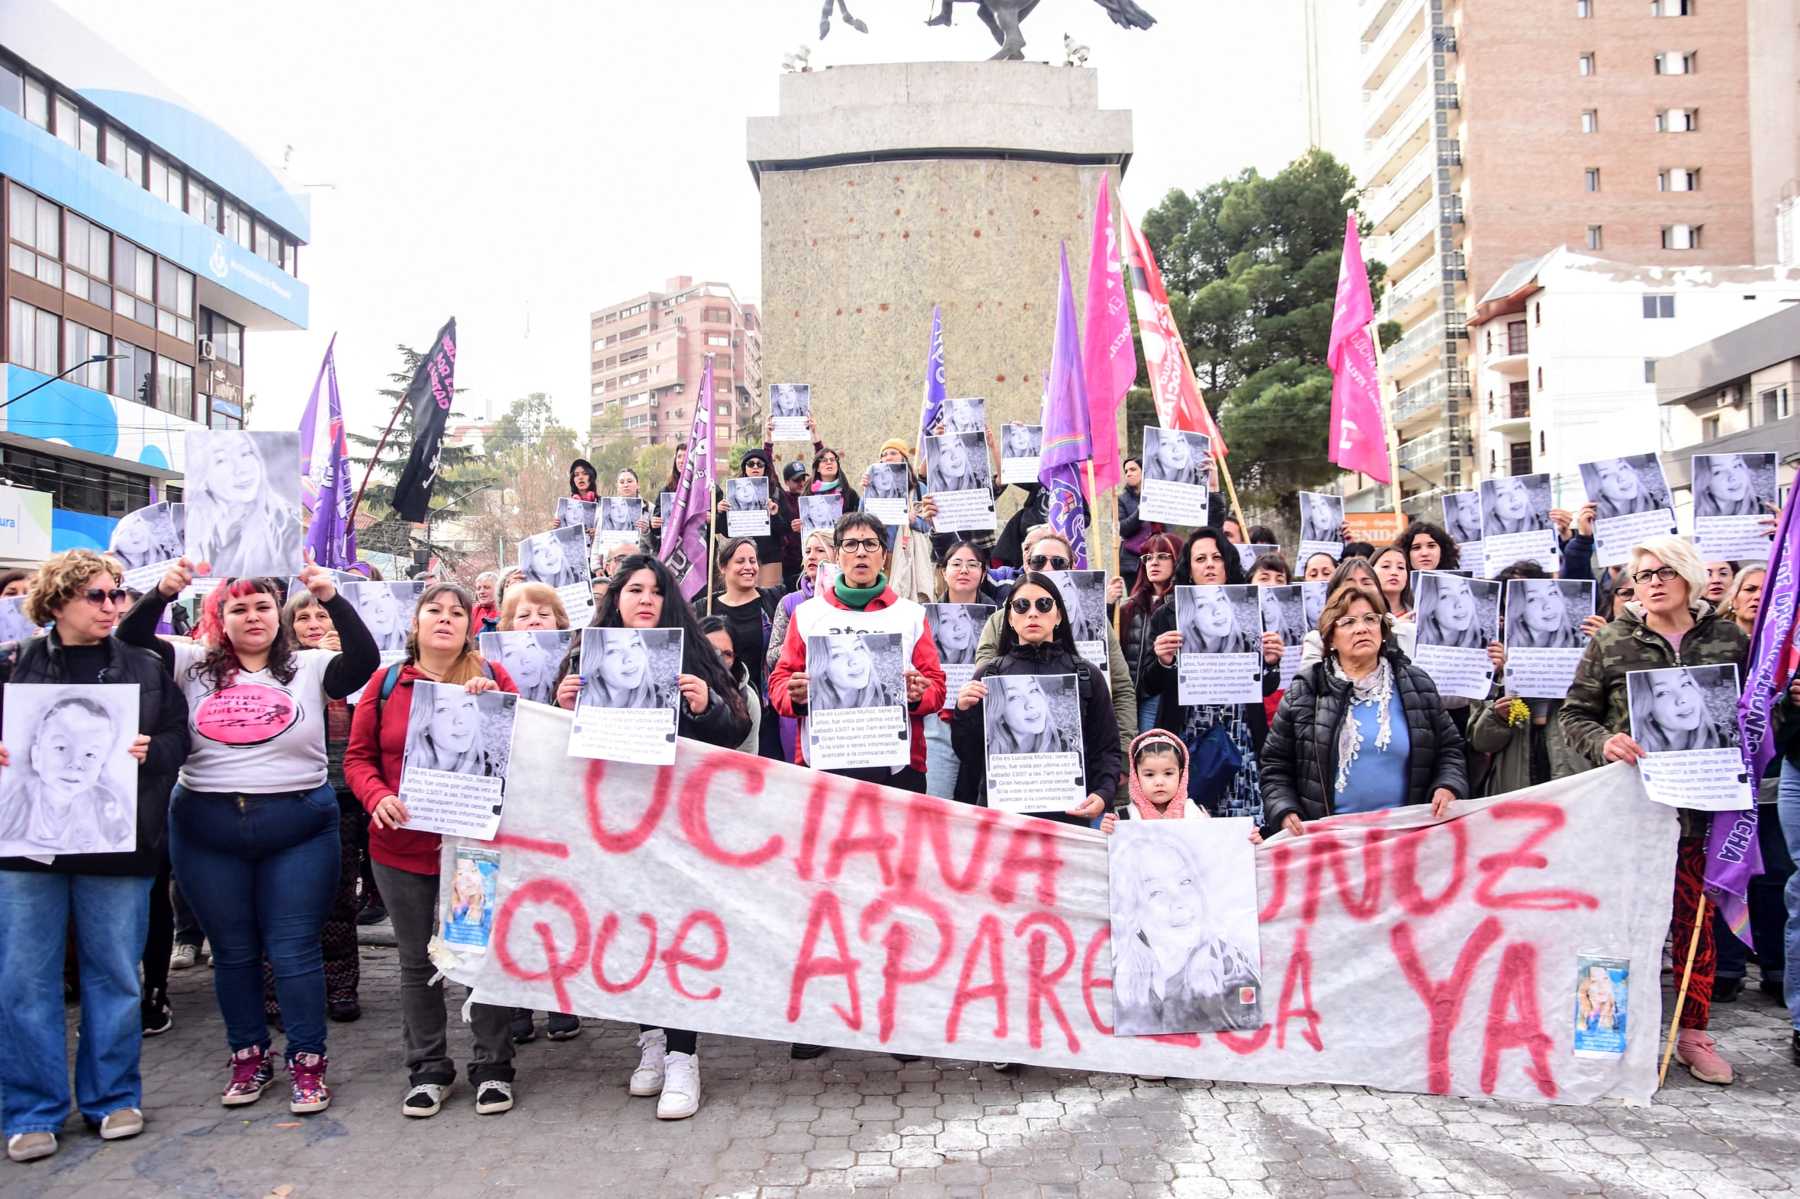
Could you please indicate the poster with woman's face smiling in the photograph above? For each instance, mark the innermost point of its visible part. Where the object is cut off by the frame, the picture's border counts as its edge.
(856, 701)
(1684, 719)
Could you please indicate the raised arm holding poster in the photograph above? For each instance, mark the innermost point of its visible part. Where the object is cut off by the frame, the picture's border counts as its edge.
(1515, 522)
(1021, 448)
(960, 482)
(747, 507)
(242, 503)
(1175, 490)
(1321, 525)
(790, 404)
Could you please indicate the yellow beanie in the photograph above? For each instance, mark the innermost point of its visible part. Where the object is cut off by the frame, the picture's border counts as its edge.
(894, 443)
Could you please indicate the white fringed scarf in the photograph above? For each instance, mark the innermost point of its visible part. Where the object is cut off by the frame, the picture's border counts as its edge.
(1376, 688)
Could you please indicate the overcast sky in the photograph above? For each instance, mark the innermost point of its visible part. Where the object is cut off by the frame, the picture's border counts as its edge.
(522, 163)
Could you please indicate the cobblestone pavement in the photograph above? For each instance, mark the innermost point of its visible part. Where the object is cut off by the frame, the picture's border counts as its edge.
(864, 1123)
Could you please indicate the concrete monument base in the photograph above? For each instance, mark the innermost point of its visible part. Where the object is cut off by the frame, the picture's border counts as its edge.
(887, 189)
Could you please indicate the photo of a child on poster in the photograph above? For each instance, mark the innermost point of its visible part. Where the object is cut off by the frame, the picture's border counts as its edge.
(458, 745)
(1185, 944)
(71, 787)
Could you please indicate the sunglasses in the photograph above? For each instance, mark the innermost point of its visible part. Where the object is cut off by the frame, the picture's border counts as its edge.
(99, 595)
(1046, 562)
(1042, 603)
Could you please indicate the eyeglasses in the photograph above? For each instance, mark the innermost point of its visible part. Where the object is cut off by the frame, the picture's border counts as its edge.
(1046, 562)
(1662, 574)
(1368, 620)
(1156, 557)
(99, 595)
(1043, 603)
(861, 546)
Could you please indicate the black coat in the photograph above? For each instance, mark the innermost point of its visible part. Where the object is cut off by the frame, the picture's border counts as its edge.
(1299, 761)
(1166, 680)
(1099, 726)
(162, 716)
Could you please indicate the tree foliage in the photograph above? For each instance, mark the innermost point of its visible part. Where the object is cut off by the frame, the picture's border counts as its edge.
(529, 453)
(1251, 265)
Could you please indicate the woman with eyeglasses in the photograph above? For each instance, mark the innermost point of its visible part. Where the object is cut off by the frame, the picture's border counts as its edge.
(101, 900)
(965, 582)
(1155, 584)
(828, 478)
(1223, 740)
(1667, 623)
(1360, 731)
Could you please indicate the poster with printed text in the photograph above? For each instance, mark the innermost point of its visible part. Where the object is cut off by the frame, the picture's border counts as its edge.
(630, 701)
(1176, 485)
(1457, 618)
(856, 702)
(959, 480)
(458, 747)
(747, 507)
(1684, 718)
(1321, 526)
(1032, 726)
(1631, 502)
(1734, 497)
(1021, 452)
(1543, 635)
(1220, 661)
(790, 407)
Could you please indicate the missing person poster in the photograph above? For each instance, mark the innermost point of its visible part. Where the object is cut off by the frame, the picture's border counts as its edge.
(147, 543)
(747, 506)
(468, 917)
(1175, 488)
(1084, 598)
(887, 494)
(629, 706)
(956, 631)
(1631, 502)
(959, 480)
(241, 500)
(458, 745)
(1457, 619)
(1734, 496)
(1684, 718)
(1186, 947)
(14, 624)
(1544, 641)
(571, 511)
(1515, 522)
(856, 702)
(72, 784)
(619, 516)
(1220, 661)
(1248, 554)
(1602, 1006)
(1462, 520)
(820, 512)
(1032, 725)
(1284, 612)
(965, 414)
(558, 559)
(531, 657)
(1321, 525)
(387, 610)
(1312, 600)
(790, 406)
(1021, 451)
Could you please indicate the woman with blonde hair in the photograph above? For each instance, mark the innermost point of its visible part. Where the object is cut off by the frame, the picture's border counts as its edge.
(532, 606)
(241, 519)
(1743, 599)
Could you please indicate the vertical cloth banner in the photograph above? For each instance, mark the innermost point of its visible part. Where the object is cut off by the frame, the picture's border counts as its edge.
(684, 548)
(739, 895)
(1179, 404)
(325, 489)
(1108, 362)
(931, 404)
(428, 397)
(1067, 440)
(1358, 441)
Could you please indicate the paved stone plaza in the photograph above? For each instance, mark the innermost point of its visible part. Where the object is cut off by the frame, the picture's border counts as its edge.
(856, 1122)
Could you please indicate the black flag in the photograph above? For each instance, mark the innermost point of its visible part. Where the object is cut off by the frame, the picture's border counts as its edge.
(428, 396)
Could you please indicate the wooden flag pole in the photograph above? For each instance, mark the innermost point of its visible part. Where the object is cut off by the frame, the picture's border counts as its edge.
(1687, 978)
(1389, 430)
(712, 552)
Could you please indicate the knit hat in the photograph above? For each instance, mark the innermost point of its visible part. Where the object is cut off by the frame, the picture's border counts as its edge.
(756, 456)
(894, 443)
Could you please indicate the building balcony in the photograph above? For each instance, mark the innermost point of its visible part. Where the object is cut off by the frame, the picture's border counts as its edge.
(1417, 293)
(1421, 400)
(1409, 23)
(1431, 449)
(1411, 188)
(1419, 348)
(1411, 244)
(1376, 15)
(1509, 415)
(1411, 133)
(1410, 77)
(1508, 356)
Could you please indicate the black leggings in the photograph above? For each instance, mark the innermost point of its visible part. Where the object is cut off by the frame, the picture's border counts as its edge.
(680, 1039)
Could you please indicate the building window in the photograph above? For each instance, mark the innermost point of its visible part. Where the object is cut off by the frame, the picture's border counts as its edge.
(1672, 8)
(66, 122)
(134, 375)
(1774, 405)
(1590, 120)
(134, 282)
(222, 414)
(115, 153)
(1649, 370)
(87, 260)
(1594, 241)
(237, 224)
(1584, 9)
(1678, 120)
(1593, 179)
(227, 336)
(89, 134)
(1678, 179)
(174, 301)
(32, 337)
(165, 182)
(36, 226)
(37, 103)
(1516, 338)
(1540, 378)
(1677, 62)
(719, 339)
(11, 95)
(1681, 237)
(197, 201)
(1659, 307)
(81, 343)
(1585, 64)
(175, 387)
(1709, 428)
(1518, 458)
(76, 486)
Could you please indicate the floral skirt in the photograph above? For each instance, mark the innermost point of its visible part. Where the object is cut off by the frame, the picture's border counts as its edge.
(1244, 796)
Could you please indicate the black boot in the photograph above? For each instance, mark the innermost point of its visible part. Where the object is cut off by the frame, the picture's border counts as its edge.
(1726, 990)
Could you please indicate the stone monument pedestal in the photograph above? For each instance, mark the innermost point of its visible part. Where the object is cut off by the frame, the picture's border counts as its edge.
(887, 189)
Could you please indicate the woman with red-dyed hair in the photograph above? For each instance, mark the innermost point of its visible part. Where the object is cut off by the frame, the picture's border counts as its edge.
(253, 823)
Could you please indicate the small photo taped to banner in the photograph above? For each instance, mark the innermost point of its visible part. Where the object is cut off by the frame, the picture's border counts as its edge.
(1684, 718)
(468, 918)
(241, 496)
(856, 701)
(1032, 725)
(1602, 1004)
(629, 706)
(458, 747)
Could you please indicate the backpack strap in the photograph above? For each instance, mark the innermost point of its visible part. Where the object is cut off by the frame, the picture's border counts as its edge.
(389, 681)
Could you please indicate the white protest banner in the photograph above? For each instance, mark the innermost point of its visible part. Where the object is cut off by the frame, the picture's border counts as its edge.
(738, 895)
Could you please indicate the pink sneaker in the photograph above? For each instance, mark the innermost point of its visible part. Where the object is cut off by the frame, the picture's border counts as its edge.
(252, 1070)
(310, 1092)
(1695, 1050)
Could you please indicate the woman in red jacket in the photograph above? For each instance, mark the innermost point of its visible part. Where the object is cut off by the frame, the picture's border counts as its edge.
(440, 648)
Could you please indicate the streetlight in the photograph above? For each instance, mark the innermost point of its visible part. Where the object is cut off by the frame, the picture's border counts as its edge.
(96, 360)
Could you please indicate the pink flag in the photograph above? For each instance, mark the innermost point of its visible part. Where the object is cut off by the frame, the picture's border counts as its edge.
(1179, 404)
(1108, 363)
(1358, 441)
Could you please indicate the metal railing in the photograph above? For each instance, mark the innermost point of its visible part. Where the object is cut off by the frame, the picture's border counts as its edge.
(1404, 75)
(1423, 280)
(1407, 182)
(1380, 151)
(1397, 23)
(1425, 450)
(1419, 399)
(1420, 224)
(1427, 337)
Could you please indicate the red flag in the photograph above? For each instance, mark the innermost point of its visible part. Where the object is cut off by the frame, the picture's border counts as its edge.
(1358, 441)
(1108, 362)
(1172, 384)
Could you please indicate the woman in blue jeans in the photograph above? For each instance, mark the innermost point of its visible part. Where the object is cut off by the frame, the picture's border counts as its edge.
(107, 895)
(253, 824)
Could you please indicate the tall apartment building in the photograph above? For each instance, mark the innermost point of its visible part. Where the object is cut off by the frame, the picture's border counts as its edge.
(1654, 132)
(139, 232)
(648, 354)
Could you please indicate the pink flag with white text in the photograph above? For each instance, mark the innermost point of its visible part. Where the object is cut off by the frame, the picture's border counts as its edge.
(1108, 361)
(1358, 441)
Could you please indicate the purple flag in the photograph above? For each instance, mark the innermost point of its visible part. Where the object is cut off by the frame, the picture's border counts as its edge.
(931, 406)
(1067, 439)
(684, 546)
(326, 481)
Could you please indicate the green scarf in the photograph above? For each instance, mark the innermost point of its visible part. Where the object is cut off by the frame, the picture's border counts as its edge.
(858, 597)
(823, 485)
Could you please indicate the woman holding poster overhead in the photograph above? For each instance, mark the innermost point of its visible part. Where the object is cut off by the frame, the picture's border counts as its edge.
(100, 900)
(1666, 624)
(646, 596)
(440, 649)
(254, 813)
(1036, 641)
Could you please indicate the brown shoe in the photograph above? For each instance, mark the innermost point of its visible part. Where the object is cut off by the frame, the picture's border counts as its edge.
(29, 1146)
(122, 1123)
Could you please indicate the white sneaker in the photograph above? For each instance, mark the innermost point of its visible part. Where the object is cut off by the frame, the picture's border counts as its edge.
(424, 1099)
(681, 1088)
(647, 1079)
(185, 957)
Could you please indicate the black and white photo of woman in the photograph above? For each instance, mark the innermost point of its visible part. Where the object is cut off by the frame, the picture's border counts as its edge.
(956, 629)
(848, 672)
(556, 559)
(958, 463)
(1020, 717)
(448, 731)
(386, 610)
(1173, 456)
(1462, 517)
(790, 399)
(618, 669)
(748, 494)
(1683, 707)
(146, 537)
(1321, 517)
(621, 514)
(243, 502)
(1448, 611)
(1546, 613)
(1219, 622)
(1021, 441)
(1624, 486)
(965, 414)
(1727, 484)
(1514, 505)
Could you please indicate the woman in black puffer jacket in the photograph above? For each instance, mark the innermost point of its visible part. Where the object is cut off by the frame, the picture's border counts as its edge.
(1360, 731)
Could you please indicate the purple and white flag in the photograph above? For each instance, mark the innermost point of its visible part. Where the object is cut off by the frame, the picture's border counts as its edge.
(931, 405)
(325, 474)
(684, 547)
(1067, 439)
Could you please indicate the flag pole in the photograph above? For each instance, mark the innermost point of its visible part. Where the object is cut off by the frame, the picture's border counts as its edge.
(1390, 432)
(1687, 978)
(712, 533)
(373, 458)
(1237, 509)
